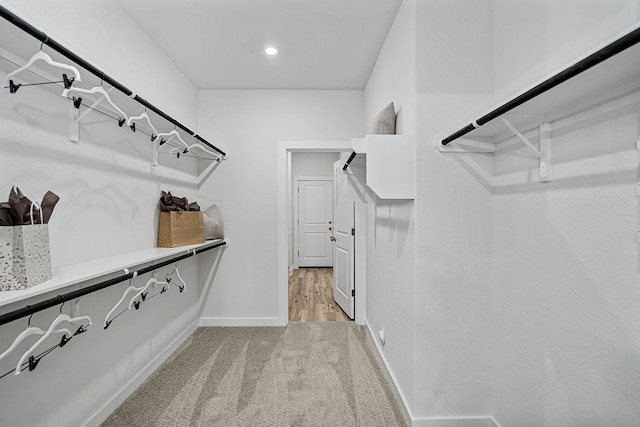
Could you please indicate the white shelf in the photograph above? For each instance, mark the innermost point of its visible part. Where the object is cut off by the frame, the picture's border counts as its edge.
(194, 172)
(586, 88)
(389, 164)
(78, 273)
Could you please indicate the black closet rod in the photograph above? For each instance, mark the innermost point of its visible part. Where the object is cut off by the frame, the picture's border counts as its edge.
(590, 61)
(59, 299)
(349, 160)
(30, 29)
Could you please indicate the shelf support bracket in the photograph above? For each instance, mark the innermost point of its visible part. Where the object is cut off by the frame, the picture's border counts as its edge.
(543, 153)
(76, 117)
(74, 123)
(520, 136)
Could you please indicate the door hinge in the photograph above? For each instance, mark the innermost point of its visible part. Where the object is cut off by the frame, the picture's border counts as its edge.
(353, 292)
(298, 253)
(353, 231)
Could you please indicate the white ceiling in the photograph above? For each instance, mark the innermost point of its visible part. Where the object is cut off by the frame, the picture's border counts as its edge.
(219, 44)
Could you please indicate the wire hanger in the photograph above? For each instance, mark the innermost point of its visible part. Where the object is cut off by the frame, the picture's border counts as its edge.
(145, 289)
(100, 91)
(41, 56)
(130, 289)
(67, 335)
(145, 116)
(169, 278)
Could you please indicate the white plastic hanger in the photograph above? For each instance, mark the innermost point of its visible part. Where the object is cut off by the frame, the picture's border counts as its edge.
(151, 282)
(160, 142)
(196, 145)
(144, 116)
(130, 289)
(96, 90)
(41, 56)
(31, 330)
(171, 135)
(169, 277)
(52, 330)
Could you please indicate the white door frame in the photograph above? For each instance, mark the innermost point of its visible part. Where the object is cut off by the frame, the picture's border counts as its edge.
(285, 148)
(296, 212)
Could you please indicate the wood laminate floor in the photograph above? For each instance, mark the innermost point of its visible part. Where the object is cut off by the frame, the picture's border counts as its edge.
(311, 296)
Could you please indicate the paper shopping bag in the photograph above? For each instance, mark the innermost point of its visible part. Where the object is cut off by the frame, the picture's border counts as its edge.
(31, 256)
(25, 260)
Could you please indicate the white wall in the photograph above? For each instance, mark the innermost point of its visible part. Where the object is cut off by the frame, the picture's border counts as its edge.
(390, 224)
(565, 294)
(108, 205)
(453, 207)
(313, 164)
(524, 301)
(550, 34)
(393, 76)
(250, 123)
(103, 34)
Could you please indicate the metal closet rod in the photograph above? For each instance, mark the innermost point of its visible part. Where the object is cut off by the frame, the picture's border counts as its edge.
(59, 299)
(41, 36)
(349, 160)
(592, 60)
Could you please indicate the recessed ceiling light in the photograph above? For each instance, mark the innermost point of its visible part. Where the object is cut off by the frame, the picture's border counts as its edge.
(271, 50)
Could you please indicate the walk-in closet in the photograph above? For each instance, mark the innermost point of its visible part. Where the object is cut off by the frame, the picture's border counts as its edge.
(308, 213)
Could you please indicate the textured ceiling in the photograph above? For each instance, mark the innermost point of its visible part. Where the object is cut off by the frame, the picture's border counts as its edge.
(218, 44)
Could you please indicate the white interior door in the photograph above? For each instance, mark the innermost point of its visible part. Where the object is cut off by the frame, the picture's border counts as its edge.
(343, 264)
(315, 199)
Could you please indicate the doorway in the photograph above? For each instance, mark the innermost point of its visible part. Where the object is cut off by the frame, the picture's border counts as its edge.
(312, 213)
(311, 296)
(286, 254)
(311, 283)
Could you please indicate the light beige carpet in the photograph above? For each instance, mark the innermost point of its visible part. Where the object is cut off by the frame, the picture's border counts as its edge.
(305, 374)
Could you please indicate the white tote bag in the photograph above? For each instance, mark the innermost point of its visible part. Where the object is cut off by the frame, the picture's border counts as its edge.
(25, 260)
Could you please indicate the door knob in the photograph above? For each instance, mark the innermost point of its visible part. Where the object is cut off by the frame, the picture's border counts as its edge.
(333, 239)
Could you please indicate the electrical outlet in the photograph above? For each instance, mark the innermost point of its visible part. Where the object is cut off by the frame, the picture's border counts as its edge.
(381, 336)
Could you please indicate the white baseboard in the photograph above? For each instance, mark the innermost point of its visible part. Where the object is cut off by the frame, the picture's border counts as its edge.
(136, 381)
(394, 382)
(451, 421)
(241, 321)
